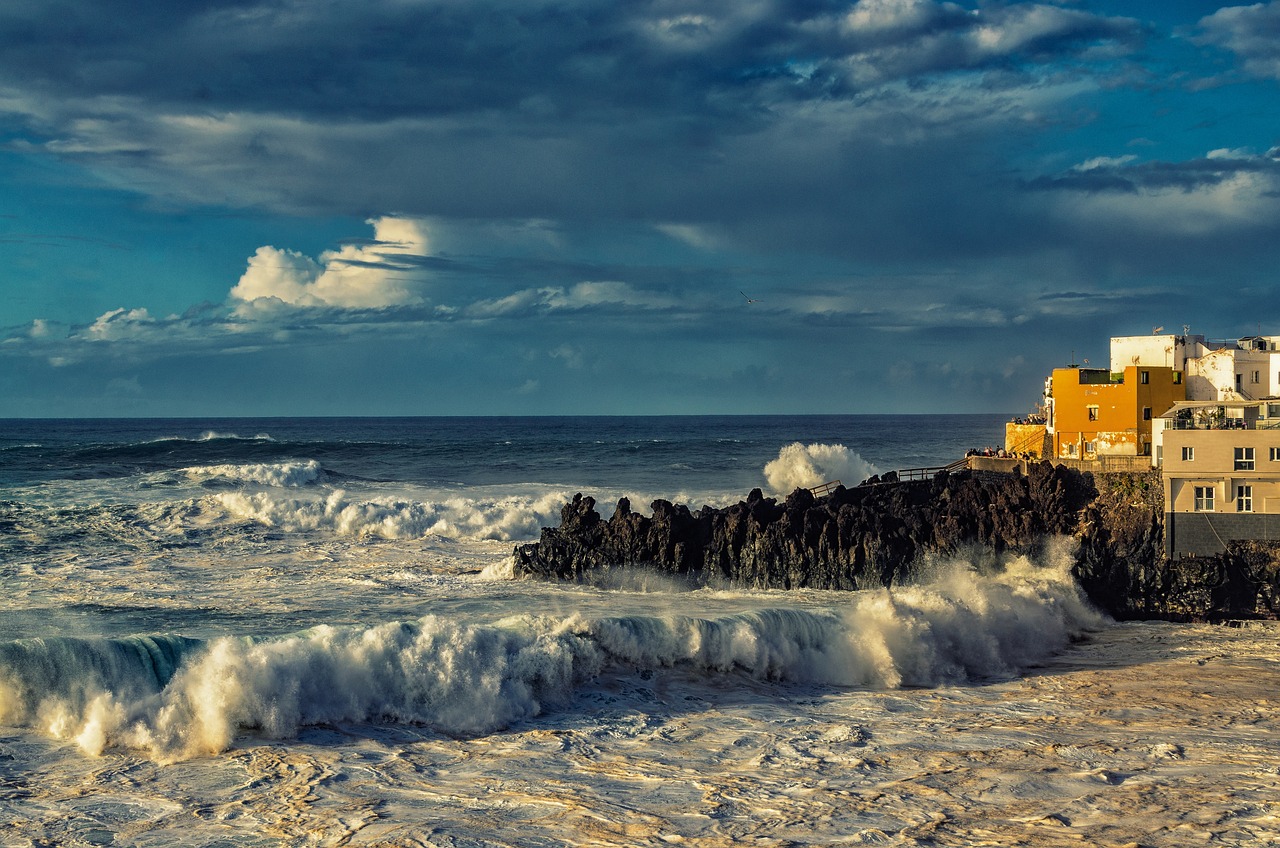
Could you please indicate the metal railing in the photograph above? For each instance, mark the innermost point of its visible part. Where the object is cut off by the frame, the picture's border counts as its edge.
(1035, 439)
(825, 489)
(1225, 424)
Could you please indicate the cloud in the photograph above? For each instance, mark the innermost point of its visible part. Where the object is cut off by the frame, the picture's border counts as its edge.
(580, 296)
(711, 114)
(1225, 190)
(1251, 32)
(382, 273)
(120, 324)
(700, 237)
(894, 39)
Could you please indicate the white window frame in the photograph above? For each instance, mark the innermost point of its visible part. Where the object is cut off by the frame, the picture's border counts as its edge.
(1244, 459)
(1275, 454)
(1204, 498)
(1244, 498)
(1188, 453)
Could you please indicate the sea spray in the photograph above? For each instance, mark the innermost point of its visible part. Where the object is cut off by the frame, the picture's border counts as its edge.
(467, 679)
(806, 466)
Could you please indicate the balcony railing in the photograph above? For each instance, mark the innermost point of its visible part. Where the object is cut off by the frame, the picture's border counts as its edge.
(1225, 424)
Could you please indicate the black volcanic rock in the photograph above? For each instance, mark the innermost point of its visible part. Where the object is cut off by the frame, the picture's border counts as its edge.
(877, 534)
(852, 538)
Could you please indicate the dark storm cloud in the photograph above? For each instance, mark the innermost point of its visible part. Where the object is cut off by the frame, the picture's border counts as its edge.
(382, 60)
(1189, 176)
(756, 114)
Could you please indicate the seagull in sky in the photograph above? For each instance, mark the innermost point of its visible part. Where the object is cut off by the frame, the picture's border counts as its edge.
(749, 299)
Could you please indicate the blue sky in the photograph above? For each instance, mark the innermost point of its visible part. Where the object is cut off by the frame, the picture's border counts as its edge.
(315, 207)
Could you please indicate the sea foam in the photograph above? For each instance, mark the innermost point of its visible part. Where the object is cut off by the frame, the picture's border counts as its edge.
(463, 678)
(503, 518)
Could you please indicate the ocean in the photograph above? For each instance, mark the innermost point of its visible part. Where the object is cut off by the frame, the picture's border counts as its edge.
(307, 632)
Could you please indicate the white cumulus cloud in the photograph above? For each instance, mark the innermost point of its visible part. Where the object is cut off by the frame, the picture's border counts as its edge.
(119, 324)
(356, 276)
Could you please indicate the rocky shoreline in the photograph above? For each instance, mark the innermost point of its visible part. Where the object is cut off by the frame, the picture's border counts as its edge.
(883, 532)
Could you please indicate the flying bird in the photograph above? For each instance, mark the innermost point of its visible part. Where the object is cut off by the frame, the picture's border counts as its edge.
(749, 299)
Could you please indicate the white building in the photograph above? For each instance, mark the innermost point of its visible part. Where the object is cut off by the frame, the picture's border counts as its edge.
(1244, 369)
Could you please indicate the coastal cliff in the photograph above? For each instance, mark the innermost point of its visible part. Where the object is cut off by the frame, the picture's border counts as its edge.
(882, 533)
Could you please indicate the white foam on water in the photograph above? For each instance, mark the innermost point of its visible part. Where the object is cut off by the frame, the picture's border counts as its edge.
(390, 517)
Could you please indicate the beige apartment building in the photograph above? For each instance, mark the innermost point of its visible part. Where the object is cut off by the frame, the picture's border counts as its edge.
(1221, 474)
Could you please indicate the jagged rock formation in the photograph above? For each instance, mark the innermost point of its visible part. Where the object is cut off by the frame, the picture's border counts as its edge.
(878, 535)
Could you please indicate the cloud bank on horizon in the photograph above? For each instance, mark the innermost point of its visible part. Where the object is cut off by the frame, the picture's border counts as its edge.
(928, 203)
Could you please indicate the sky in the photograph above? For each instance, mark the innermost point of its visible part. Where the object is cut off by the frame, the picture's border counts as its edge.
(520, 207)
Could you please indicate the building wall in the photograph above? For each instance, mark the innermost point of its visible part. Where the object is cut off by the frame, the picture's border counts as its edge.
(1230, 372)
(1122, 426)
(1025, 438)
(1188, 531)
(1212, 376)
(1206, 534)
(1168, 351)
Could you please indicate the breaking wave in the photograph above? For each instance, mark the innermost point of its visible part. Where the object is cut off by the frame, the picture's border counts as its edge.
(279, 474)
(176, 698)
(800, 466)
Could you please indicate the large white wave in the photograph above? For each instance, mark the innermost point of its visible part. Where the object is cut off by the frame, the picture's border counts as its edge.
(464, 679)
(800, 466)
(501, 518)
(280, 474)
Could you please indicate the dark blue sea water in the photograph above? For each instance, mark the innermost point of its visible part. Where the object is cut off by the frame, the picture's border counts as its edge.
(662, 453)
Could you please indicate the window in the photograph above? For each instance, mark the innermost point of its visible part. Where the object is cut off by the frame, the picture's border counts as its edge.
(1275, 454)
(1257, 376)
(1144, 377)
(1244, 459)
(1090, 447)
(1244, 499)
(1188, 454)
(1093, 413)
(1204, 499)
(1146, 413)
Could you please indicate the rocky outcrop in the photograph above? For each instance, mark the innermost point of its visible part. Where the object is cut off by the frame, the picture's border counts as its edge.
(880, 533)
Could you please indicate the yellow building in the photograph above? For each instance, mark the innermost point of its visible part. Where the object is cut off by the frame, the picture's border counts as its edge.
(1094, 412)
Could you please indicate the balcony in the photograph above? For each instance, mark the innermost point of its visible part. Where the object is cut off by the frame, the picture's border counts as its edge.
(1210, 423)
(1226, 414)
